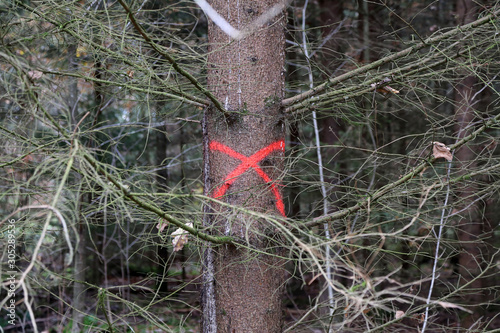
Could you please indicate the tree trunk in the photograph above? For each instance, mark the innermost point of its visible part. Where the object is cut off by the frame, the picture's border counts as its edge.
(243, 163)
(79, 261)
(470, 223)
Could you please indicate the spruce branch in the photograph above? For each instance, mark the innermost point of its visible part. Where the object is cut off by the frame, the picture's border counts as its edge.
(178, 95)
(172, 61)
(64, 26)
(152, 208)
(487, 19)
(344, 94)
(378, 194)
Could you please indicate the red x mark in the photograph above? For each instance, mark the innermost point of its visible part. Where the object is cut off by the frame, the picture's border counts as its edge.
(247, 163)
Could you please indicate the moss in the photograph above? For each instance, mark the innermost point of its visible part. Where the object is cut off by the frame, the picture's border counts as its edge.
(271, 100)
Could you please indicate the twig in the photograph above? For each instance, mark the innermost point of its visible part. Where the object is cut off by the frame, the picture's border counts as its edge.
(172, 61)
(361, 70)
(341, 95)
(183, 96)
(28, 307)
(320, 167)
(151, 208)
(405, 178)
(442, 222)
(60, 217)
(49, 217)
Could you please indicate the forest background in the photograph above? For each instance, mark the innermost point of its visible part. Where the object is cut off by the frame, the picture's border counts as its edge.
(388, 178)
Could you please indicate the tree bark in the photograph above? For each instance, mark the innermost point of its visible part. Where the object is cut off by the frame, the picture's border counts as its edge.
(470, 225)
(244, 153)
(79, 261)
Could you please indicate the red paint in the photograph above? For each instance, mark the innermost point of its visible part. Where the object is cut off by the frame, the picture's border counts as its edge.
(247, 163)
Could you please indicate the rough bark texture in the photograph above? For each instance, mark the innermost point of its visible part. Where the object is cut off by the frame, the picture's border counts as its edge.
(242, 288)
(470, 223)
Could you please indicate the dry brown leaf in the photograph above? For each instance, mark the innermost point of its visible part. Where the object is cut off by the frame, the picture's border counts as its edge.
(161, 225)
(440, 150)
(35, 75)
(385, 90)
(399, 314)
(180, 238)
(418, 317)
